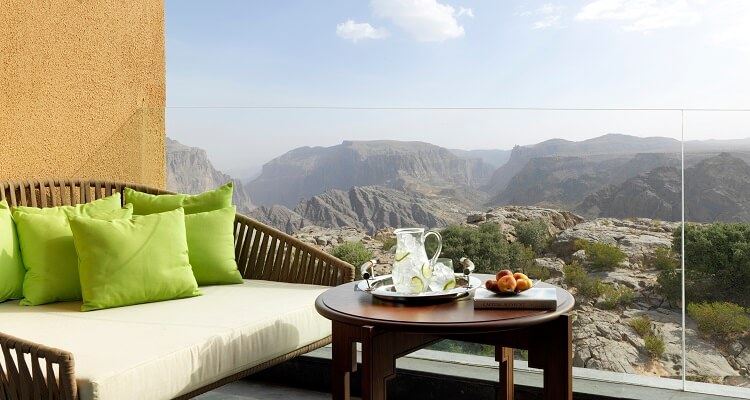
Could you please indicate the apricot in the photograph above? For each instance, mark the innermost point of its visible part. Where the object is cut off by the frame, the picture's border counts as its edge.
(523, 284)
(503, 273)
(519, 275)
(506, 283)
(491, 284)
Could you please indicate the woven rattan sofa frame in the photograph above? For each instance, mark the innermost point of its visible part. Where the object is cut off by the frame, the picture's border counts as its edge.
(262, 252)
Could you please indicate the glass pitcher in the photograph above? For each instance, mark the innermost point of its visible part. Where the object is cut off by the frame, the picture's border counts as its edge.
(411, 268)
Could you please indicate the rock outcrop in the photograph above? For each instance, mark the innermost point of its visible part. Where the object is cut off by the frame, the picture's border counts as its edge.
(556, 220)
(190, 171)
(638, 238)
(408, 166)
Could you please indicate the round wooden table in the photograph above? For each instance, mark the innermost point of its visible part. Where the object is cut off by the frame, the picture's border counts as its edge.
(388, 330)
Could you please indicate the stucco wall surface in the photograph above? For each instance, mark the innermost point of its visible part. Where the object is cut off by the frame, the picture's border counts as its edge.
(82, 90)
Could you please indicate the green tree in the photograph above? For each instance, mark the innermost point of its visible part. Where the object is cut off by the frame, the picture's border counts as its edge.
(601, 256)
(534, 234)
(663, 260)
(486, 246)
(717, 262)
(355, 253)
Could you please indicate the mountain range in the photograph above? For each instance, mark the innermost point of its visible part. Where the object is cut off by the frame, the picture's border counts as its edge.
(415, 167)
(374, 184)
(717, 188)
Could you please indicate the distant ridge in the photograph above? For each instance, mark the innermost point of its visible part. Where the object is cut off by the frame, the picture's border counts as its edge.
(190, 171)
(716, 189)
(609, 144)
(409, 166)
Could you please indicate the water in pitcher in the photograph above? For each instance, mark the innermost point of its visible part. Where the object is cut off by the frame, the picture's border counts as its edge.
(412, 269)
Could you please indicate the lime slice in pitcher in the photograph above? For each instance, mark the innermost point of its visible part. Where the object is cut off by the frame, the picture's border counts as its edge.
(402, 256)
(426, 270)
(417, 286)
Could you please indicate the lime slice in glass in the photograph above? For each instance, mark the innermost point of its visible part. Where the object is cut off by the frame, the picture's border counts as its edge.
(417, 286)
(449, 285)
(426, 270)
(402, 256)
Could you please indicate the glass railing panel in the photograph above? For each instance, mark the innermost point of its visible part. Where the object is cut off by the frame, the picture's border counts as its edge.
(717, 239)
(589, 200)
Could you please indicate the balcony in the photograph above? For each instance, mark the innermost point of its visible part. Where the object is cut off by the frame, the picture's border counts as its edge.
(605, 320)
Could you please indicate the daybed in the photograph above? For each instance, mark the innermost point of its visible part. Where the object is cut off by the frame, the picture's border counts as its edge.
(170, 349)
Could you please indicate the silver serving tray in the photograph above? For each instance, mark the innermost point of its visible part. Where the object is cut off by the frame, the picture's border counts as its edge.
(382, 287)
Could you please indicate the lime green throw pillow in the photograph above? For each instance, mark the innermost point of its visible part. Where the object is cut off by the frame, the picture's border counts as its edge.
(144, 203)
(210, 237)
(124, 262)
(216, 199)
(90, 209)
(49, 255)
(11, 267)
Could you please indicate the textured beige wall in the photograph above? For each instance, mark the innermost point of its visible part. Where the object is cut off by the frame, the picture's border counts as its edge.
(82, 90)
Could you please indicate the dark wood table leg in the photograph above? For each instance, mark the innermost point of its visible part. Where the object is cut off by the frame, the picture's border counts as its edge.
(378, 364)
(551, 350)
(558, 376)
(344, 359)
(380, 349)
(504, 355)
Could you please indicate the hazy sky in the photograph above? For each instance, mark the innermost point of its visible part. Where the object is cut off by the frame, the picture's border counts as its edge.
(449, 53)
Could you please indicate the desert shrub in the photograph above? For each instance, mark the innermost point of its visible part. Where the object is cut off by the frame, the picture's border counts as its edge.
(663, 260)
(535, 271)
(716, 253)
(575, 275)
(642, 325)
(719, 319)
(601, 256)
(355, 253)
(654, 345)
(614, 297)
(389, 243)
(670, 285)
(611, 297)
(534, 234)
(486, 246)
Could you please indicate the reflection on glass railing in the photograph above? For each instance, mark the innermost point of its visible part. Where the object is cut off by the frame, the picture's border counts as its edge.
(717, 246)
(576, 205)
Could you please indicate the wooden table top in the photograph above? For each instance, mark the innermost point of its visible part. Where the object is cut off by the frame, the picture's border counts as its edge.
(344, 304)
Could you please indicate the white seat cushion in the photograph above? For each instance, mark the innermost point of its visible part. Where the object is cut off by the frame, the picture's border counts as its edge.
(162, 350)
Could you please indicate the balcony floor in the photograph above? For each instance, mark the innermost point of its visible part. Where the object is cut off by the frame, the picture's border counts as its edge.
(255, 390)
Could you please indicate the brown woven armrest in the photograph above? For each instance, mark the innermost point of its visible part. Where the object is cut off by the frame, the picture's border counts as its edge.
(31, 373)
(263, 252)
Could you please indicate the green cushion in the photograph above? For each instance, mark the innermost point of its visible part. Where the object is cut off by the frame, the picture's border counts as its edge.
(210, 237)
(144, 203)
(124, 262)
(49, 255)
(87, 209)
(11, 267)
(216, 199)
